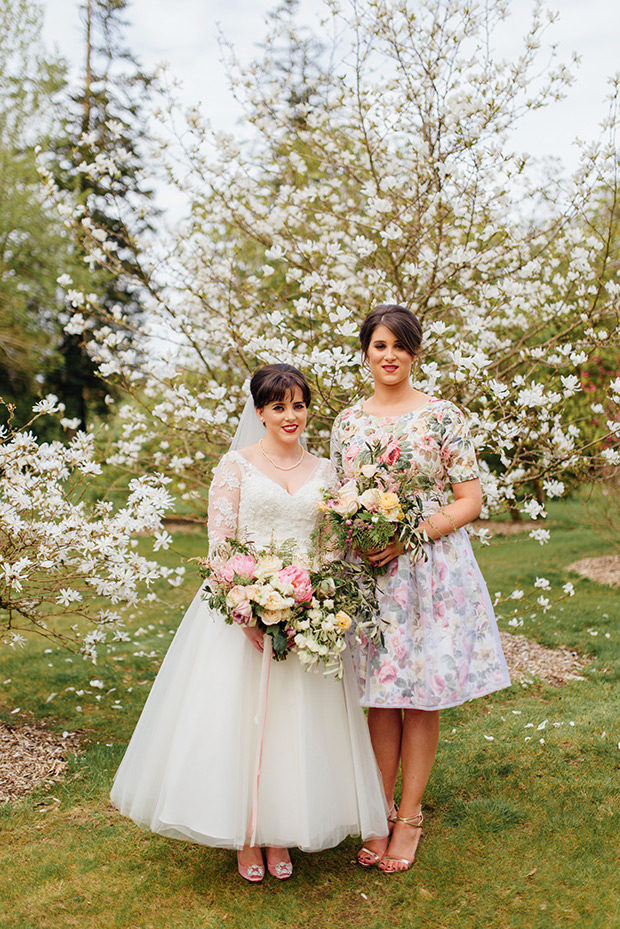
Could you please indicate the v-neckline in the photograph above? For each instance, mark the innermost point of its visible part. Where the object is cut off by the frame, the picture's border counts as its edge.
(271, 480)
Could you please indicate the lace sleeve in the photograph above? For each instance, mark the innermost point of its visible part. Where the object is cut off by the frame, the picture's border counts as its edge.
(224, 500)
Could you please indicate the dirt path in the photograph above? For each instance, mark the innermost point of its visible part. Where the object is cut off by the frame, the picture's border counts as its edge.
(603, 570)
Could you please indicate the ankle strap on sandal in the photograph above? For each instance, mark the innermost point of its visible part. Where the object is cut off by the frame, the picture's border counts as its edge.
(414, 821)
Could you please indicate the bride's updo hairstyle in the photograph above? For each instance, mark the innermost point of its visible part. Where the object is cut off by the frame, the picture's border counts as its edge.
(398, 320)
(272, 383)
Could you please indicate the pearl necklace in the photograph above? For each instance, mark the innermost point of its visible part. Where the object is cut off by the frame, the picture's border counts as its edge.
(279, 467)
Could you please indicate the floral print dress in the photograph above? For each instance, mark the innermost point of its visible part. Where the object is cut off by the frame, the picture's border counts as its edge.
(442, 645)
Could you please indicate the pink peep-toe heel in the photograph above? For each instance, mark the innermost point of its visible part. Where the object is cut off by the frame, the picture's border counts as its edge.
(254, 873)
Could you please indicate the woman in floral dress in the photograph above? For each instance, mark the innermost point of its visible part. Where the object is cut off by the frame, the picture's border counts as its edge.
(442, 645)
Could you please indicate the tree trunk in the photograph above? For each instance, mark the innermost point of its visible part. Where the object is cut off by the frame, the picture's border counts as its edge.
(88, 73)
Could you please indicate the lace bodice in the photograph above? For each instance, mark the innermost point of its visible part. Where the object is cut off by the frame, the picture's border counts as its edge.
(246, 504)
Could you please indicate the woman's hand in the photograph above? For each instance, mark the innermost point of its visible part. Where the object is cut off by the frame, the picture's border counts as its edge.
(256, 636)
(382, 556)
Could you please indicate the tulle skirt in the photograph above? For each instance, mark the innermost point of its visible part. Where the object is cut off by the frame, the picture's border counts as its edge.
(190, 770)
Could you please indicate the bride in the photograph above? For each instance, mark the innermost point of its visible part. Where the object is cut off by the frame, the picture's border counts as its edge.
(203, 764)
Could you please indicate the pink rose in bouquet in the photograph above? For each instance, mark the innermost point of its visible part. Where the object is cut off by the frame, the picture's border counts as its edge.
(299, 579)
(241, 565)
(236, 594)
(242, 614)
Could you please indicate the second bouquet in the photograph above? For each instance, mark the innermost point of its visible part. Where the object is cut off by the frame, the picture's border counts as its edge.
(380, 503)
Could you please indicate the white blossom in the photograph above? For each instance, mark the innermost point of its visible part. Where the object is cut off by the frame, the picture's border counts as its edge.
(63, 552)
(49, 404)
(533, 509)
(540, 535)
(611, 456)
(162, 540)
(553, 488)
(542, 582)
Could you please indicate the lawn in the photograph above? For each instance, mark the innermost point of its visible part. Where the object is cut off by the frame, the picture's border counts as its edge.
(522, 812)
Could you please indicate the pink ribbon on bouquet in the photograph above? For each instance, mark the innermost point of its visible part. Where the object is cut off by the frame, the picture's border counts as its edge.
(260, 720)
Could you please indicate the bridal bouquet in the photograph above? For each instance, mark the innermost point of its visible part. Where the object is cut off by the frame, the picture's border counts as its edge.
(301, 609)
(379, 503)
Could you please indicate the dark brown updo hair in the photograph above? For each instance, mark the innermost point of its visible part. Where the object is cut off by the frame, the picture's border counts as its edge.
(272, 383)
(398, 320)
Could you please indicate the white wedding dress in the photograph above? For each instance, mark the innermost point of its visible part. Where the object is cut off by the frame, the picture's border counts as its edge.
(190, 770)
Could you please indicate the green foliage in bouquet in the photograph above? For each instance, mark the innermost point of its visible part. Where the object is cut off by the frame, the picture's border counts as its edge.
(349, 585)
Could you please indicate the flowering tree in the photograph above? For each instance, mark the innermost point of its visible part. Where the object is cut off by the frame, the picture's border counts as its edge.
(63, 560)
(393, 179)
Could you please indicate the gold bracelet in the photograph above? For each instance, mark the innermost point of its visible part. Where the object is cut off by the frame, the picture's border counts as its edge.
(449, 517)
(432, 525)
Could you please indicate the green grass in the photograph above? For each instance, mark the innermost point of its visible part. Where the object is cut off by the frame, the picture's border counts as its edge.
(519, 832)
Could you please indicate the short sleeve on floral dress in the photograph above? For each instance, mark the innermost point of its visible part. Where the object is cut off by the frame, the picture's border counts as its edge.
(442, 645)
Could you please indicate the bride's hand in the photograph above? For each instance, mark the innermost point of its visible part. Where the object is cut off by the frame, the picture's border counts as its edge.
(256, 636)
(380, 557)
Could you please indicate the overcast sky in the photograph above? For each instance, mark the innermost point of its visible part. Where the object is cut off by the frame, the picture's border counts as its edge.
(183, 33)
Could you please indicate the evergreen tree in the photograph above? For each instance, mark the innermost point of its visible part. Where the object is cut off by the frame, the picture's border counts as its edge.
(106, 124)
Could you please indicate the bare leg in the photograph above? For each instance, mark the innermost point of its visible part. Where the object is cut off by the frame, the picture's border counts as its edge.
(386, 727)
(386, 735)
(420, 738)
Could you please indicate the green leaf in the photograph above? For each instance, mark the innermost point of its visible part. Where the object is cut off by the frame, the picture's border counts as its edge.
(280, 641)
